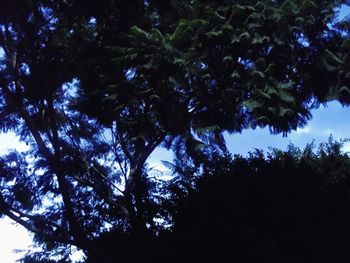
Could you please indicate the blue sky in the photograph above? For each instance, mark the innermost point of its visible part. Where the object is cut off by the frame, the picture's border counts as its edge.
(333, 119)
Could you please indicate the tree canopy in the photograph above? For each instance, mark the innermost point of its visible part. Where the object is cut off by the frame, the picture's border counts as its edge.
(93, 88)
(288, 206)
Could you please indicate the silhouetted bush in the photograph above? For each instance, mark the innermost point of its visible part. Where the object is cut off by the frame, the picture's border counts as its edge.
(288, 206)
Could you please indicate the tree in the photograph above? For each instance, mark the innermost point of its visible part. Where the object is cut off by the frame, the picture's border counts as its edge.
(288, 206)
(94, 88)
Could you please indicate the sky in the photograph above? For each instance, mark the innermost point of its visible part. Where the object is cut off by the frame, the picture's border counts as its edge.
(333, 119)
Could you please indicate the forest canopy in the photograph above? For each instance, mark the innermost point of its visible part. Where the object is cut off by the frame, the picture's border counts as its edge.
(94, 88)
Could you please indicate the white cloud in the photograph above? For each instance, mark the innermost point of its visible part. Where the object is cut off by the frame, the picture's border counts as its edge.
(304, 130)
(346, 147)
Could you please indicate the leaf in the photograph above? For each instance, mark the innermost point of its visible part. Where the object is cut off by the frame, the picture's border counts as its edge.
(285, 86)
(327, 66)
(328, 18)
(172, 80)
(300, 20)
(196, 23)
(260, 6)
(156, 35)
(289, 6)
(271, 90)
(235, 39)
(235, 74)
(182, 32)
(111, 97)
(258, 73)
(242, 36)
(185, 29)
(285, 112)
(140, 34)
(263, 94)
(119, 107)
(124, 59)
(198, 145)
(277, 40)
(259, 40)
(227, 27)
(253, 25)
(213, 33)
(206, 76)
(169, 165)
(307, 4)
(194, 146)
(285, 95)
(245, 35)
(154, 97)
(294, 29)
(276, 15)
(179, 61)
(272, 110)
(203, 130)
(237, 8)
(150, 64)
(262, 119)
(254, 16)
(270, 68)
(252, 104)
(226, 58)
(332, 58)
(344, 89)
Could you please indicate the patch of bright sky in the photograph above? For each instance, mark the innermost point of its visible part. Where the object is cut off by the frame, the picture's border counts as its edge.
(331, 120)
(344, 11)
(12, 236)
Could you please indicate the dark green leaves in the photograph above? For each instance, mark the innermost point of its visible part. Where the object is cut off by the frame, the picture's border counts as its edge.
(149, 73)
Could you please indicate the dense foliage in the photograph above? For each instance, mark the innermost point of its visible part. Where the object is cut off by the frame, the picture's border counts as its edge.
(284, 206)
(289, 206)
(94, 87)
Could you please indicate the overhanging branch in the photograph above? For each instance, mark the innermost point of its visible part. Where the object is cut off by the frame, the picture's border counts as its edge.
(5, 208)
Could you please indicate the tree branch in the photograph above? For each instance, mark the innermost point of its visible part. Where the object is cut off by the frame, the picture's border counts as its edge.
(53, 159)
(123, 145)
(6, 210)
(34, 217)
(137, 163)
(77, 231)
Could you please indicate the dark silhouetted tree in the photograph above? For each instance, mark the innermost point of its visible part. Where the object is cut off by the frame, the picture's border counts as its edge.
(289, 206)
(94, 87)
